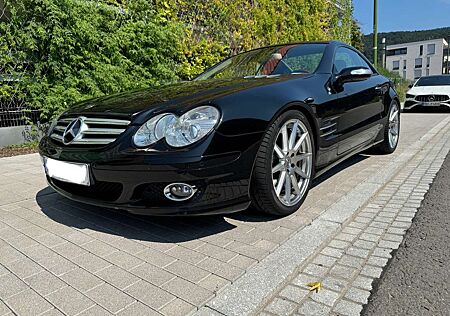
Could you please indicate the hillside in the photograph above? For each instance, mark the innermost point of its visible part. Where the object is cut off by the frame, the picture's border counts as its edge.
(404, 37)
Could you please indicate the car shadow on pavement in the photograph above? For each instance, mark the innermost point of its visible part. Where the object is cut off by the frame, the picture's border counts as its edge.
(154, 228)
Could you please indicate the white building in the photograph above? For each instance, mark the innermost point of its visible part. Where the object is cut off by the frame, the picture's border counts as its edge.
(417, 59)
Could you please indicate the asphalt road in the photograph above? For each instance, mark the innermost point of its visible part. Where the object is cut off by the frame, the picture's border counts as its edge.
(417, 280)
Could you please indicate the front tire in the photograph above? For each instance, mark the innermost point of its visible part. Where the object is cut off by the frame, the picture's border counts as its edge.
(284, 165)
(391, 131)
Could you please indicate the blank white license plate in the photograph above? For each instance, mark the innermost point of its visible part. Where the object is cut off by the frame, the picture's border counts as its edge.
(67, 171)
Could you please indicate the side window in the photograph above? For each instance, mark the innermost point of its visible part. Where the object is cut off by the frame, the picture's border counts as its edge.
(346, 58)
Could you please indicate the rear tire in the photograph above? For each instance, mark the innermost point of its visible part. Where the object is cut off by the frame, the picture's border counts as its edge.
(391, 131)
(284, 165)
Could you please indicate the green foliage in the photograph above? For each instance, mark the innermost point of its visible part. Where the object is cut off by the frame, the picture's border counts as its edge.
(69, 50)
(401, 85)
(357, 36)
(81, 49)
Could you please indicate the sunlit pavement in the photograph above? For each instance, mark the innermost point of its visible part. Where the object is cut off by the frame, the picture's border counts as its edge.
(63, 257)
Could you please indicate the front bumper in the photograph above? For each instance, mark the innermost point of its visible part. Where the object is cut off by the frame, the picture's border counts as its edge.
(134, 181)
(411, 103)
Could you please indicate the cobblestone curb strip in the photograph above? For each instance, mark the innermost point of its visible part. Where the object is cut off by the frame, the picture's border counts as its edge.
(345, 248)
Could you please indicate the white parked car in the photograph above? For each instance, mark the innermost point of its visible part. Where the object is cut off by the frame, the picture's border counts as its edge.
(430, 91)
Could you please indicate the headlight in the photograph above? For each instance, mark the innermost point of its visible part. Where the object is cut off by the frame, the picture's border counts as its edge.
(178, 131)
(410, 96)
(192, 126)
(153, 130)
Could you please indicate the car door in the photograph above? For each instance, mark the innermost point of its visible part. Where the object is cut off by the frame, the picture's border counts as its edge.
(360, 103)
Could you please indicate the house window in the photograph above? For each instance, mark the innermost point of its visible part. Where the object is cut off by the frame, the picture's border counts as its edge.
(404, 64)
(428, 61)
(418, 63)
(396, 65)
(417, 73)
(421, 50)
(431, 48)
(397, 51)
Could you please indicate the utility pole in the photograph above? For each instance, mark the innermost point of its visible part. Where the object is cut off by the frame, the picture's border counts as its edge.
(383, 52)
(375, 33)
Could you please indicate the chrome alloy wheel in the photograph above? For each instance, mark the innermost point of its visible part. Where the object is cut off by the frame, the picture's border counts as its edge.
(394, 126)
(292, 162)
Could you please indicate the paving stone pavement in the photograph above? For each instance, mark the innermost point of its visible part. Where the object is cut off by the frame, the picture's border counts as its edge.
(62, 257)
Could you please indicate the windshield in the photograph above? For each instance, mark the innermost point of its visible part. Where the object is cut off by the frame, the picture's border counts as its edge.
(433, 81)
(270, 61)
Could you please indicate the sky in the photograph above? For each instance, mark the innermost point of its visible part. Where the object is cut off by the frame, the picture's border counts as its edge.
(403, 15)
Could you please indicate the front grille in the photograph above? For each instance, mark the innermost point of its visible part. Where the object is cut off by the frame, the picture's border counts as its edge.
(432, 98)
(100, 190)
(92, 131)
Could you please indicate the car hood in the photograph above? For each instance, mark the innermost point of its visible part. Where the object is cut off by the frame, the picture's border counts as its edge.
(171, 97)
(430, 90)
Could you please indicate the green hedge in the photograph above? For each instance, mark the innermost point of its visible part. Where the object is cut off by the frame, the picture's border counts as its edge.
(63, 51)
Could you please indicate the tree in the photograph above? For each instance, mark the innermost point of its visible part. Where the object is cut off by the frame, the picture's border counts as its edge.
(357, 36)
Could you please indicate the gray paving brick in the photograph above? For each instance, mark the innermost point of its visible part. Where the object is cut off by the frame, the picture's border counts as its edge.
(220, 268)
(100, 248)
(370, 237)
(242, 262)
(70, 301)
(188, 291)
(149, 294)
(28, 302)
(357, 252)
(45, 283)
(155, 257)
(377, 261)
(315, 270)
(325, 296)
(303, 279)
(357, 295)
(213, 283)
(50, 240)
(81, 280)
(280, 306)
(339, 244)
(10, 285)
(347, 308)
(138, 309)
(177, 307)
(152, 274)
(110, 298)
(24, 268)
(96, 310)
(346, 237)
(123, 260)
(311, 308)
(364, 244)
(371, 271)
(351, 261)
(91, 262)
(323, 260)
(363, 282)
(334, 284)
(217, 252)
(388, 244)
(186, 254)
(117, 276)
(187, 271)
(69, 250)
(382, 252)
(294, 293)
(332, 252)
(4, 310)
(343, 271)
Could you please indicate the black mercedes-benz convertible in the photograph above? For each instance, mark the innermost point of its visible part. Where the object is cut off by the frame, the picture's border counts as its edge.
(256, 128)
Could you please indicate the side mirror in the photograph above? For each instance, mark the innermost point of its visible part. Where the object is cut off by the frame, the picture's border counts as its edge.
(353, 74)
(410, 86)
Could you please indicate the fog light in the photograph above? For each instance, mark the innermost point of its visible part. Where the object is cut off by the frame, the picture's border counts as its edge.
(179, 191)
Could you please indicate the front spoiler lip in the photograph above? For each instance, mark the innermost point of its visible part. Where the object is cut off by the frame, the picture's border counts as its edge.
(424, 104)
(228, 208)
